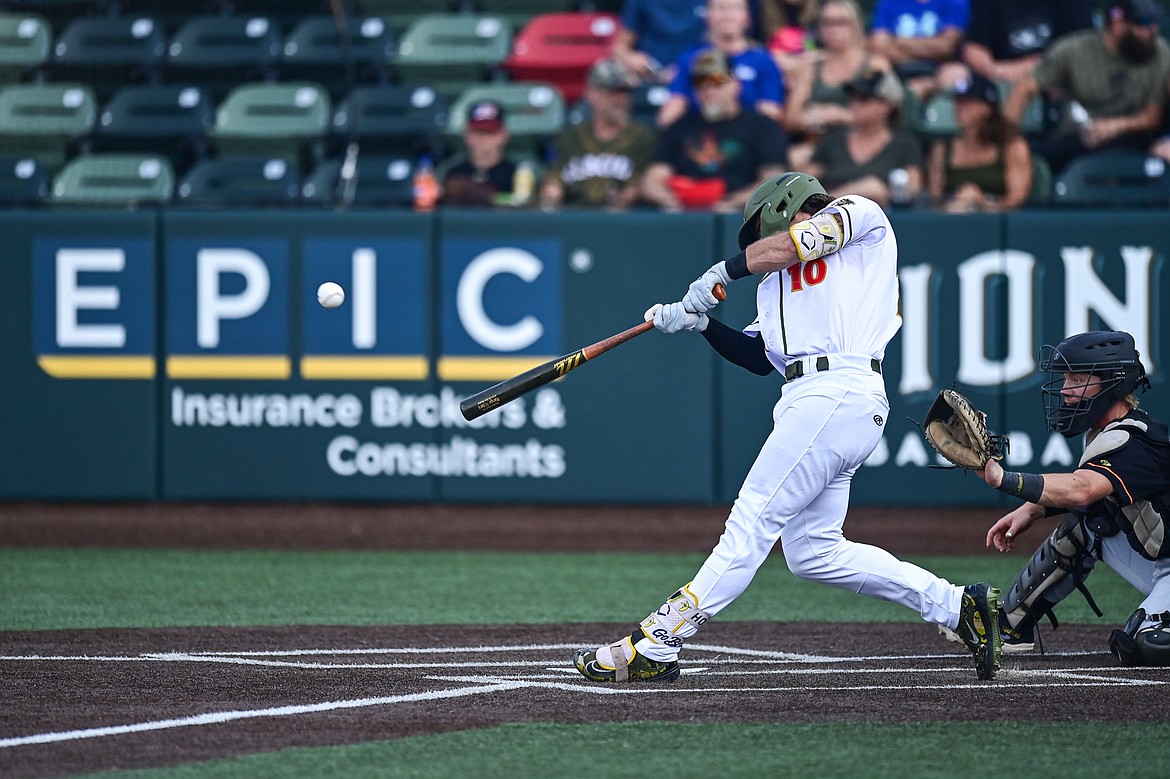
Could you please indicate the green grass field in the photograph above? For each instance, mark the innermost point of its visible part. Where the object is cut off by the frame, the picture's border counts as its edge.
(43, 589)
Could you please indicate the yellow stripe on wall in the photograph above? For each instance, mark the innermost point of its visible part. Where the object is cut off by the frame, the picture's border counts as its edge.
(258, 366)
(74, 366)
(486, 368)
(333, 367)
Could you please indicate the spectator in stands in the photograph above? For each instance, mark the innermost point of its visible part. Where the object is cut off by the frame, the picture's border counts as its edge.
(873, 157)
(918, 36)
(1007, 38)
(1113, 82)
(817, 101)
(789, 27)
(600, 161)
(988, 166)
(655, 33)
(762, 86)
(714, 156)
(484, 176)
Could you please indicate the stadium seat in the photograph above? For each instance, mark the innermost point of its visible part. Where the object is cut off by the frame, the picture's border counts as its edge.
(218, 53)
(560, 48)
(285, 13)
(316, 50)
(59, 13)
(108, 52)
(23, 182)
(1041, 193)
(396, 119)
(163, 119)
(287, 120)
(451, 51)
(534, 112)
(24, 45)
(241, 181)
(43, 121)
(379, 180)
(171, 14)
(1113, 179)
(114, 180)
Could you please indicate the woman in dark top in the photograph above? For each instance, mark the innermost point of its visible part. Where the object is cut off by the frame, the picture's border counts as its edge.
(987, 166)
(874, 157)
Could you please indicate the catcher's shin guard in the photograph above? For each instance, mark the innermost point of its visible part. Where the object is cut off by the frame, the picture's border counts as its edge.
(675, 621)
(1060, 565)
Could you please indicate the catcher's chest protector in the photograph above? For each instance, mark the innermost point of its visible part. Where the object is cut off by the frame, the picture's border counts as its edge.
(1144, 520)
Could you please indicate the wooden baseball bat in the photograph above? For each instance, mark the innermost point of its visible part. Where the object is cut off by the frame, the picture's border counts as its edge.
(508, 390)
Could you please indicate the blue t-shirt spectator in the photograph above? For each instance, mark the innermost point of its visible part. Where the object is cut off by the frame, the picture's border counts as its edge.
(664, 29)
(920, 18)
(756, 69)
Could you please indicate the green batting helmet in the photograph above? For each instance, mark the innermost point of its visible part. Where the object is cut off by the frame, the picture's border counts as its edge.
(776, 202)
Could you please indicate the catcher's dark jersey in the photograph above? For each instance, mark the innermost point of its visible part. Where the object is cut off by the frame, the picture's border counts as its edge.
(1134, 454)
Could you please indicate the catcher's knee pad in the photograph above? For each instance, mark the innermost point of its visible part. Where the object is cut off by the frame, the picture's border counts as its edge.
(1144, 640)
(1061, 564)
(676, 620)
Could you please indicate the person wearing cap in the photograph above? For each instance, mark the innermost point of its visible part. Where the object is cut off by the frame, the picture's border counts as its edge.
(1112, 80)
(874, 156)
(715, 155)
(484, 175)
(762, 85)
(600, 161)
(988, 166)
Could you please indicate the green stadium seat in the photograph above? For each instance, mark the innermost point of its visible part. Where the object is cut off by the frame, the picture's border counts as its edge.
(59, 13)
(393, 119)
(43, 121)
(379, 180)
(450, 51)
(315, 50)
(23, 182)
(287, 120)
(1041, 193)
(24, 45)
(114, 180)
(534, 112)
(219, 53)
(160, 119)
(241, 181)
(108, 52)
(1114, 179)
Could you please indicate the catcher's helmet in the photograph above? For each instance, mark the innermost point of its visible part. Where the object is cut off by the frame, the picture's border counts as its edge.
(776, 202)
(1110, 355)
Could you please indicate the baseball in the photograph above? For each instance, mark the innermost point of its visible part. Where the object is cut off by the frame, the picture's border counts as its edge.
(330, 294)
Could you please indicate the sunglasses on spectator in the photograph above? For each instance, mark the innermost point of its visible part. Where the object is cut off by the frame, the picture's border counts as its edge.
(717, 80)
(835, 21)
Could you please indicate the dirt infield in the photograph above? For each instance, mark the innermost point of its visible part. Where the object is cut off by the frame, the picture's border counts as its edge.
(102, 699)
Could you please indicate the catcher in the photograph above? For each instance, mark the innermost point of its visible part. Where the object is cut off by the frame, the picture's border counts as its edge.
(1115, 504)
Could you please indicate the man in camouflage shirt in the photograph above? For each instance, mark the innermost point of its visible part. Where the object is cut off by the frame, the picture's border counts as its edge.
(599, 162)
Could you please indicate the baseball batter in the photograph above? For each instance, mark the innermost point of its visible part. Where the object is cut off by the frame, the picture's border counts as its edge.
(827, 306)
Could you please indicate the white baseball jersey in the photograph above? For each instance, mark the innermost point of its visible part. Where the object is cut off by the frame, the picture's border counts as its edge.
(843, 303)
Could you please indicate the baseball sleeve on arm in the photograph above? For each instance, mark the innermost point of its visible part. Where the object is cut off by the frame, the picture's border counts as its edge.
(738, 347)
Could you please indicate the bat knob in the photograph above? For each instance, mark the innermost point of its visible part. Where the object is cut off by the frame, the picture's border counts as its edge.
(719, 291)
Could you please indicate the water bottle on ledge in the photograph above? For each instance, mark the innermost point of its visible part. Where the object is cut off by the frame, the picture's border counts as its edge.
(899, 181)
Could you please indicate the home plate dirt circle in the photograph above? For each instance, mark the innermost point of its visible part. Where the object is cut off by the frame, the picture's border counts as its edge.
(95, 699)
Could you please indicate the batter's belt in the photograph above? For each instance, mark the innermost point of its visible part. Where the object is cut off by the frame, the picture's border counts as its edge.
(817, 363)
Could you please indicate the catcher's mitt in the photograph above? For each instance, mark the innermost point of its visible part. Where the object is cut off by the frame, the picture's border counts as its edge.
(958, 431)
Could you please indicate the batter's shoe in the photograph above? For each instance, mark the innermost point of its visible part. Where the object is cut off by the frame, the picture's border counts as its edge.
(978, 627)
(609, 664)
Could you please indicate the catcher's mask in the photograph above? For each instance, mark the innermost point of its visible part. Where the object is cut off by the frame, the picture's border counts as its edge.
(1109, 356)
(773, 205)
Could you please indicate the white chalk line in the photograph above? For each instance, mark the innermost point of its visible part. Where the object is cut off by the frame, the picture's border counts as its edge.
(1074, 677)
(219, 717)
